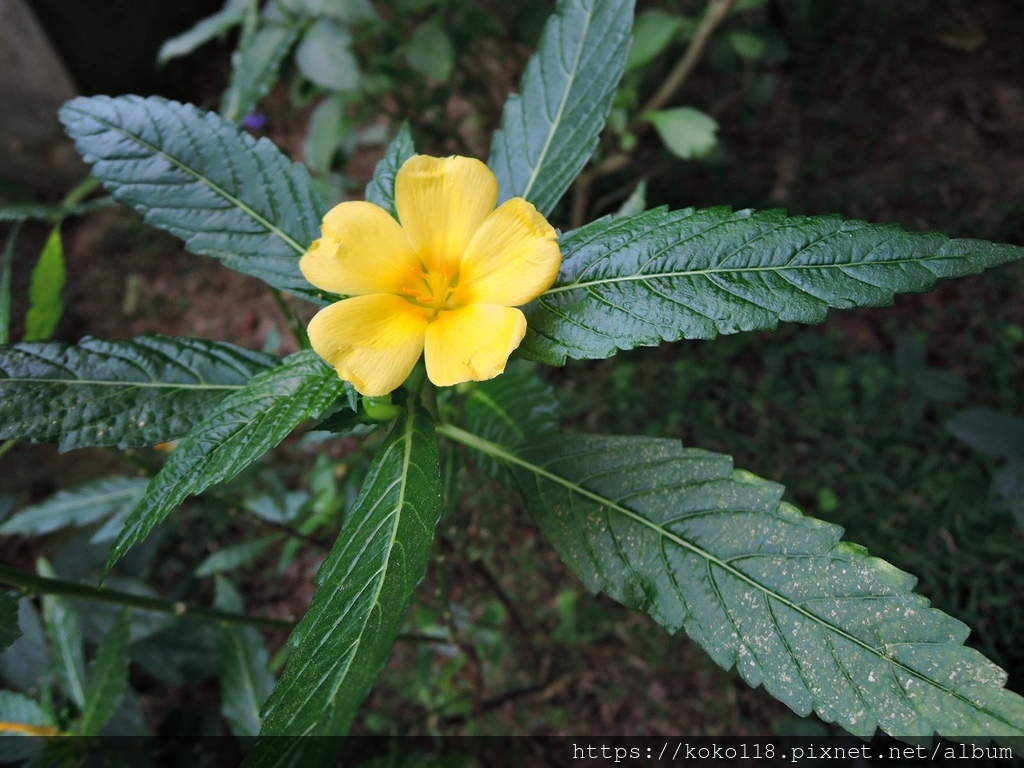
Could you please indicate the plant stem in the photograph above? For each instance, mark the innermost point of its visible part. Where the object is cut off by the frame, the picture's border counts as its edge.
(428, 396)
(43, 585)
(7, 445)
(301, 338)
(716, 12)
(81, 190)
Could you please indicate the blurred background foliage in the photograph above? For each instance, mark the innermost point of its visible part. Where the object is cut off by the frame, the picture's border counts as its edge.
(901, 424)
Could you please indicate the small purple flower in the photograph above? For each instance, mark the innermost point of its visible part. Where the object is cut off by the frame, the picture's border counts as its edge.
(254, 121)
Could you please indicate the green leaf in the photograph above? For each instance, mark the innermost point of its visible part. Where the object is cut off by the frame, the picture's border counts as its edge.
(9, 630)
(688, 133)
(662, 276)
(107, 680)
(24, 665)
(230, 558)
(991, 432)
(364, 588)
(203, 31)
(550, 128)
(16, 749)
(326, 132)
(325, 56)
(381, 189)
(76, 507)
(679, 534)
(653, 30)
(45, 305)
(431, 53)
(65, 633)
(245, 679)
(635, 203)
(122, 393)
(749, 45)
(236, 432)
(284, 508)
(347, 11)
(256, 68)
(509, 410)
(200, 177)
(16, 708)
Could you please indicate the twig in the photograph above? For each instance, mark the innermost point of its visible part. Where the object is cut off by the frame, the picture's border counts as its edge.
(47, 586)
(717, 11)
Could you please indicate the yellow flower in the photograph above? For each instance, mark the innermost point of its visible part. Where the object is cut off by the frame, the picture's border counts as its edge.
(444, 282)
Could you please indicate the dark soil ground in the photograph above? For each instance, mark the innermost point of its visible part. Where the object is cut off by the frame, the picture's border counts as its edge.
(913, 116)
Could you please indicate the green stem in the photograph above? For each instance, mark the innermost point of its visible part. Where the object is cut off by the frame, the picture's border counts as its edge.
(289, 317)
(82, 190)
(416, 381)
(7, 445)
(472, 441)
(429, 400)
(43, 585)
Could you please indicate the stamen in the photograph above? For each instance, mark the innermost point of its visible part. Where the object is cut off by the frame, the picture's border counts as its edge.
(436, 288)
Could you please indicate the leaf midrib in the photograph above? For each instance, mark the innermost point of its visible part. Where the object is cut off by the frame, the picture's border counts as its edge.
(121, 383)
(556, 122)
(240, 650)
(381, 573)
(728, 270)
(498, 452)
(238, 203)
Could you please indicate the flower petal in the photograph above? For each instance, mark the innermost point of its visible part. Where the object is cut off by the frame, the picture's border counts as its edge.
(472, 343)
(441, 202)
(363, 251)
(372, 341)
(511, 260)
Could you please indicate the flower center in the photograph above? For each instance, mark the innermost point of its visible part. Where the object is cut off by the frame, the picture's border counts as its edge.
(432, 289)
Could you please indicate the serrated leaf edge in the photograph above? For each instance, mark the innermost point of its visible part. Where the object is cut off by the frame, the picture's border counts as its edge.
(499, 452)
(205, 180)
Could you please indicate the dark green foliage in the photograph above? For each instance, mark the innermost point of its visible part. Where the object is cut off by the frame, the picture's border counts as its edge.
(245, 680)
(202, 178)
(234, 434)
(9, 629)
(821, 625)
(511, 409)
(121, 393)
(381, 189)
(662, 276)
(365, 584)
(107, 678)
(75, 507)
(550, 128)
